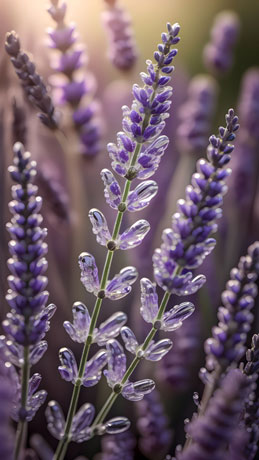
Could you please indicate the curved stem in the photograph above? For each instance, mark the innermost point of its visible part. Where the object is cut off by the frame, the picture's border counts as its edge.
(21, 428)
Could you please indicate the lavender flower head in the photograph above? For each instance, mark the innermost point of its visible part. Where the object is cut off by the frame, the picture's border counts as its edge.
(122, 48)
(196, 114)
(227, 345)
(31, 81)
(28, 321)
(218, 53)
(212, 432)
(75, 87)
(188, 241)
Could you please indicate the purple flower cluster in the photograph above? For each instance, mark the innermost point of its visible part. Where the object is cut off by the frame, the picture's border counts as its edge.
(212, 432)
(75, 88)
(122, 48)
(28, 321)
(196, 113)
(229, 337)
(31, 81)
(152, 424)
(218, 53)
(115, 447)
(188, 242)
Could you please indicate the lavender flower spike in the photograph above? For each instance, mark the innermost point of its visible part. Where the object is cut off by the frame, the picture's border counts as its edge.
(212, 432)
(76, 88)
(28, 321)
(189, 241)
(31, 81)
(122, 47)
(218, 54)
(139, 146)
(229, 337)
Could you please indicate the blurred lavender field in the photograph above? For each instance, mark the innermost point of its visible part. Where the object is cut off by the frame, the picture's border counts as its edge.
(89, 54)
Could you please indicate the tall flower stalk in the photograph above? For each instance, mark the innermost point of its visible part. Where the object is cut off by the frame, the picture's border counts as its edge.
(28, 321)
(137, 155)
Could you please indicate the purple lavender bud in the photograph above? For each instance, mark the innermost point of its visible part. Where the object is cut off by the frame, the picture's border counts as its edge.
(149, 300)
(114, 447)
(68, 369)
(79, 329)
(152, 424)
(112, 191)
(117, 425)
(218, 53)
(142, 195)
(134, 235)
(110, 328)
(155, 350)
(89, 272)
(122, 48)
(188, 242)
(120, 285)
(100, 226)
(35, 399)
(129, 339)
(70, 62)
(135, 391)
(55, 419)
(116, 362)
(196, 114)
(212, 432)
(31, 81)
(81, 422)
(227, 345)
(174, 318)
(144, 121)
(93, 369)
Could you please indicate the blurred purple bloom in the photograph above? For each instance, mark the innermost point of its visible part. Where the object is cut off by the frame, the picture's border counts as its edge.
(6, 399)
(189, 241)
(196, 114)
(122, 47)
(218, 53)
(115, 447)
(75, 84)
(152, 424)
(212, 432)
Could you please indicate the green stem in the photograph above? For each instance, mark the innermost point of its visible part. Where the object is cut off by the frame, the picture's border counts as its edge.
(113, 395)
(21, 428)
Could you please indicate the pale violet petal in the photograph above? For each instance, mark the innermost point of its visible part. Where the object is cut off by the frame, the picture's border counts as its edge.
(129, 339)
(93, 369)
(120, 285)
(173, 318)
(149, 300)
(116, 362)
(135, 391)
(142, 195)
(158, 350)
(110, 328)
(68, 369)
(134, 235)
(112, 191)
(89, 272)
(100, 226)
(55, 419)
(78, 330)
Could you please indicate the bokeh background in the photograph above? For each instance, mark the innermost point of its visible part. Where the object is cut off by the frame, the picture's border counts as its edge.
(113, 88)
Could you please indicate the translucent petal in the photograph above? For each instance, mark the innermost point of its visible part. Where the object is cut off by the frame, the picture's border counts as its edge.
(192, 286)
(68, 369)
(158, 350)
(100, 227)
(89, 272)
(116, 362)
(81, 421)
(129, 339)
(93, 369)
(34, 403)
(134, 235)
(112, 191)
(142, 195)
(121, 283)
(149, 300)
(135, 391)
(110, 328)
(173, 318)
(149, 158)
(78, 330)
(55, 419)
(38, 351)
(117, 425)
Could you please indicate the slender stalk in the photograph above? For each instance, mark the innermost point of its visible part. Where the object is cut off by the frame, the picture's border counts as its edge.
(21, 428)
(113, 395)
